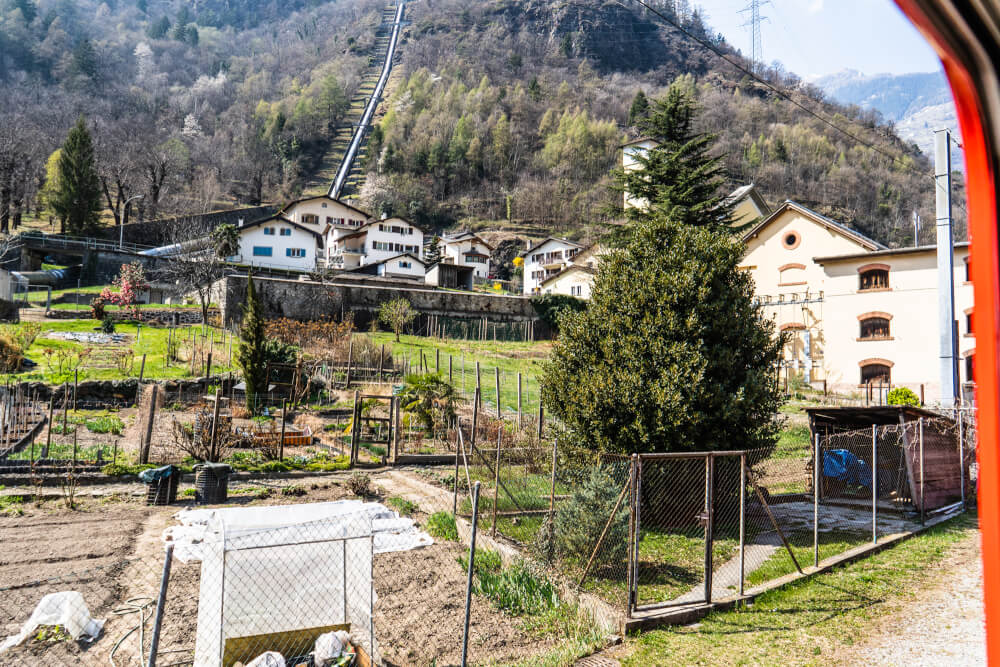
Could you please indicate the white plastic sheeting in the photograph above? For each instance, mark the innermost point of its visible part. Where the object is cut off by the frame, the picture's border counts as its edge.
(392, 533)
(67, 609)
(276, 569)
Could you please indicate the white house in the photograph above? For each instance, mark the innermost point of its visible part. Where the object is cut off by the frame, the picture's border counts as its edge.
(632, 152)
(405, 265)
(390, 237)
(467, 249)
(545, 259)
(574, 280)
(279, 243)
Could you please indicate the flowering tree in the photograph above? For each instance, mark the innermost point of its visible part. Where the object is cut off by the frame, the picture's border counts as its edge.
(130, 281)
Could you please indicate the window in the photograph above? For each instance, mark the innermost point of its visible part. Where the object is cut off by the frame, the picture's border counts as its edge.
(874, 328)
(329, 220)
(324, 204)
(792, 274)
(791, 240)
(968, 323)
(968, 270)
(295, 252)
(406, 265)
(269, 231)
(873, 277)
(970, 368)
(262, 251)
(286, 231)
(310, 218)
(576, 290)
(875, 373)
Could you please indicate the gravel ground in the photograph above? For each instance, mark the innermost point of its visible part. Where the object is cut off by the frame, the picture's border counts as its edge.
(942, 626)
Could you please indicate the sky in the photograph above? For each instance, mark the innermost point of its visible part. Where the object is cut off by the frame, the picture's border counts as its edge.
(818, 37)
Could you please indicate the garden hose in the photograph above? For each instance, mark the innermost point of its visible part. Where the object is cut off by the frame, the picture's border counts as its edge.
(142, 606)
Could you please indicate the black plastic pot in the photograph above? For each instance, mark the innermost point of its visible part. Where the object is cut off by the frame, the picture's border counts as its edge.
(211, 483)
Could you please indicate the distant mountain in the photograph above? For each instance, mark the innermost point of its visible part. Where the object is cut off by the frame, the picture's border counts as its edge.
(917, 103)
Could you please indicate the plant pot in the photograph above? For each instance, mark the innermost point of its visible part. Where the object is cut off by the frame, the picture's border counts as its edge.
(211, 483)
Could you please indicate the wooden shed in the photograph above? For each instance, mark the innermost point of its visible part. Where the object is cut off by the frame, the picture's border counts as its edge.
(916, 456)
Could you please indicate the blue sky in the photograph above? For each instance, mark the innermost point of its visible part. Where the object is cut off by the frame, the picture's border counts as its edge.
(818, 37)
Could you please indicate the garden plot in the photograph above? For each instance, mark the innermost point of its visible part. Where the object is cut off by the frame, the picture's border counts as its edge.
(112, 553)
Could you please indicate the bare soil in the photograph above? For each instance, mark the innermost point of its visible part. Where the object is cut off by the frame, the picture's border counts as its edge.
(112, 553)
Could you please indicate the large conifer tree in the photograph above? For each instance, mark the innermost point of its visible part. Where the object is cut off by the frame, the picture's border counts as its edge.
(679, 177)
(78, 197)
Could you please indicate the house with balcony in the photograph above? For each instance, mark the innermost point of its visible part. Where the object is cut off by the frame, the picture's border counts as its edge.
(467, 249)
(546, 259)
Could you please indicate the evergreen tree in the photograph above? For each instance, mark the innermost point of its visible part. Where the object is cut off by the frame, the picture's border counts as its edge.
(433, 255)
(671, 354)
(159, 28)
(78, 198)
(251, 355)
(639, 109)
(84, 60)
(679, 177)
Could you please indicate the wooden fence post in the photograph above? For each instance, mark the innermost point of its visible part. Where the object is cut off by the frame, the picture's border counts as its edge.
(149, 426)
(350, 357)
(381, 362)
(541, 417)
(496, 486)
(520, 422)
(48, 436)
(450, 364)
(281, 443)
(355, 430)
(215, 423)
(496, 372)
(76, 387)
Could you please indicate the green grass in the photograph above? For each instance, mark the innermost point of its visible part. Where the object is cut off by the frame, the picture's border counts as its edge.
(441, 526)
(402, 505)
(518, 590)
(11, 505)
(63, 451)
(510, 357)
(804, 622)
(105, 424)
(793, 443)
(100, 366)
(830, 544)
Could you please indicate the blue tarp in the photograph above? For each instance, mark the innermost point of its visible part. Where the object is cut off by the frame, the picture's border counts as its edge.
(843, 466)
(154, 474)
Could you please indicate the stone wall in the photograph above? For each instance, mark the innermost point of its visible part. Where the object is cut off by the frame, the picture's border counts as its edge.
(123, 391)
(179, 316)
(307, 300)
(157, 232)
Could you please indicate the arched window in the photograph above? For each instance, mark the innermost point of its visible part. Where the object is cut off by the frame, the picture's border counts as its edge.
(792, 274)
(876, 371)
(872, 278)
(874, 328)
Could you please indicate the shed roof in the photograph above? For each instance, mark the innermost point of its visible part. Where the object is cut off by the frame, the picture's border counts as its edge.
(861, 416)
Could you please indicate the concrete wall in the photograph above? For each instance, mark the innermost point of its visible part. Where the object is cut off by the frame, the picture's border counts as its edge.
(306, 300)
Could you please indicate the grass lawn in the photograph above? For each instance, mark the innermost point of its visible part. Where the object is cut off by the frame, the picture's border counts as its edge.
(510, 357)
(793, 443)
(804, 623)
(152, 341)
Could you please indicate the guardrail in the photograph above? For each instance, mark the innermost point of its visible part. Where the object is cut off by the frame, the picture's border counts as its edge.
(81, 242)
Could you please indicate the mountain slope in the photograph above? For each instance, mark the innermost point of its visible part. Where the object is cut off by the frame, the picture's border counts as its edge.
(917, 103)
(512, 112)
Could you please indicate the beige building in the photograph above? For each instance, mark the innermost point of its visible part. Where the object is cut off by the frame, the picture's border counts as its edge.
(855, 311)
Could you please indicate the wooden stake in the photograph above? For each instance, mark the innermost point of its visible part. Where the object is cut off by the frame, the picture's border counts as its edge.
(520, 422)
(215, 424)
(350, 358)
(281, 444)
(496, 372)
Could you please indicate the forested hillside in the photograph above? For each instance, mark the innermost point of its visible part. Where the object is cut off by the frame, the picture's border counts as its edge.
(500, 112)
(515, 110)
(193, 105)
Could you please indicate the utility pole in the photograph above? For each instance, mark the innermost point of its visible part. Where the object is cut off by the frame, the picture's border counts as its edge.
(945, 266)
(757, 45)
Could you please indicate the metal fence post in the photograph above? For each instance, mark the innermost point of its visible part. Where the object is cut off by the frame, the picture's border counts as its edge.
(874, 484)
(743, 518)
(921, 425)
(961, 454)
(817, 463)
(161, 601)
(630, 561)
(709, 506)
(468, 583)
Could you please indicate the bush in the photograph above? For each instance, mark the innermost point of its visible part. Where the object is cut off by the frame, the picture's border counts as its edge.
(517, 590)
(441, 526)
(107, 325)
(902, 396)
(550, 307)
(359, 484)
(581, 519)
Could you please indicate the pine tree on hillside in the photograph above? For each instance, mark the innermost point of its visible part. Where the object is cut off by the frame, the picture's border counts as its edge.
(251, 355)
(78, 198)
(680, 177)
(639, 109)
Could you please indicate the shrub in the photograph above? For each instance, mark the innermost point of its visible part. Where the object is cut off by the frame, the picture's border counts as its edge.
(902, 396)
(293, 490)
(441, 526)
(431, 398)
(550, 307)
(518, 590)
(581, 519)
(11, 352)
(107, 324)
(402, 505)
(359, 483)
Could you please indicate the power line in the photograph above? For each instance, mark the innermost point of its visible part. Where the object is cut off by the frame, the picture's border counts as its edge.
(778, 91)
